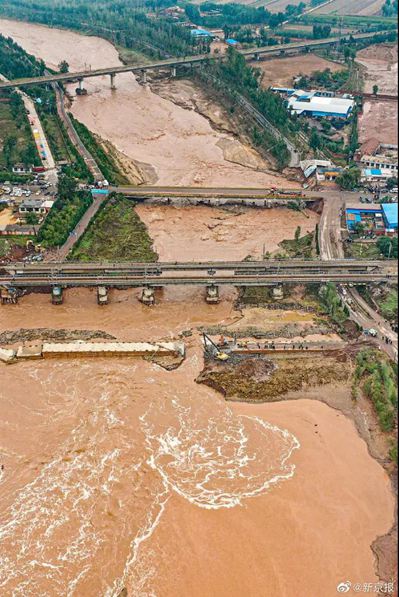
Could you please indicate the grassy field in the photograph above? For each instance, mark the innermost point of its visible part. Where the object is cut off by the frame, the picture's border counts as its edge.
(389, 306)
(301, 247)
(8, 243)
(362, 251)
(116, 234)
(56, 137)
(8, 127)
(356, 21)
(129, 56)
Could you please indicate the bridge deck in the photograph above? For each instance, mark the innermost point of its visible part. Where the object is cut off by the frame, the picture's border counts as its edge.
(204, 274)
(113, 70)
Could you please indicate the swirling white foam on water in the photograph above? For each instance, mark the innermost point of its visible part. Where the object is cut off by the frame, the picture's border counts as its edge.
(115, 458)
(219, 462)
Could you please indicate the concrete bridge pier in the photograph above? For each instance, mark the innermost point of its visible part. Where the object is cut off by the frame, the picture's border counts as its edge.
(102, 295)
(173, 71)
(8, 296)
(148, 296)
(212, 295)
(144, 76)
(278, 292)
(81, 90)
(112, 77)
(57, 295)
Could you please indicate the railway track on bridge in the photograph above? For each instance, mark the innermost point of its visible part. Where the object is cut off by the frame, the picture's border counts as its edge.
(259, 273)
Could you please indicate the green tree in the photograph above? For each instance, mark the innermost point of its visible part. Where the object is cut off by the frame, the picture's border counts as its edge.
(298, 233)
(392, 183)
(63, 66)
(315, 141)
(32, 219)
(9, 147)
(67, 187)
(349, 179)
(359, 228)
(375, 89)
(388, 246)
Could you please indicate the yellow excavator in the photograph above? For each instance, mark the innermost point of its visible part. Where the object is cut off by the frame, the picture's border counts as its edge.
(213, 349)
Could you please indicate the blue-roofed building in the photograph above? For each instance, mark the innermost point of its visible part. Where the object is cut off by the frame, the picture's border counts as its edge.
(390, 215)
(376, 174)
(363, 214)
(232, 42)
(201, 33)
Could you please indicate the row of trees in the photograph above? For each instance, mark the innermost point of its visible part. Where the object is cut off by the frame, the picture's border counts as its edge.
(323, 78)
(210, 14)
(390, 8)
(333, 304)
(321, 31)
(19, 148)
(377, 376)
(70, 206)
(123, 23)
(236, 76)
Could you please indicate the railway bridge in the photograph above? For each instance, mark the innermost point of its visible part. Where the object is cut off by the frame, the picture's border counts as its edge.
(211, 275)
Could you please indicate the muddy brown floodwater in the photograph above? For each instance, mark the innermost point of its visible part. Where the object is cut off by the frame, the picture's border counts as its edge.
(201, 233)
(118, 474)
(176, 146)
(121, 474)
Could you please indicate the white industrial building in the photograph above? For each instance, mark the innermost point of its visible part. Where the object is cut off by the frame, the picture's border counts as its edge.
(316, 105)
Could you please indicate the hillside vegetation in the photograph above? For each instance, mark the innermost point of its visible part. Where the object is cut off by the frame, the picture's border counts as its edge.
(116, 234)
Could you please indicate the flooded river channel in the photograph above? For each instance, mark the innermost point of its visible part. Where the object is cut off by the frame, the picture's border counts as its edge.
(120, 474)
(121, 478)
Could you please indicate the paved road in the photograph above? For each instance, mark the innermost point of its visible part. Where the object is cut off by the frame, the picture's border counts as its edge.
(74, 137)
(75, 235)
(330, 227)
(330, 242)
(269, 265)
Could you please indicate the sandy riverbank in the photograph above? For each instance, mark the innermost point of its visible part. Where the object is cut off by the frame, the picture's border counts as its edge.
(178, 145)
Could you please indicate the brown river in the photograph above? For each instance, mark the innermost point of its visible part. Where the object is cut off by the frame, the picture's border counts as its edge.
(121, 478)
(118, 473)
(178, 145)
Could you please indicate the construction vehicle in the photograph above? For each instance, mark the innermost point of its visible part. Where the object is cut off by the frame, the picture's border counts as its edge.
(213, 349)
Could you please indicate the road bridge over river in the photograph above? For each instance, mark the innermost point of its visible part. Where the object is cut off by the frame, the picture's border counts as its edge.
(173, 63)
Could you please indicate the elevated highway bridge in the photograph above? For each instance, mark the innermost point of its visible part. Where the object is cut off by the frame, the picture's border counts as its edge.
(173, 63)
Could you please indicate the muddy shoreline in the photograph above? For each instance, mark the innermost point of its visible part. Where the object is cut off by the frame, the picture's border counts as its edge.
(362, 414)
